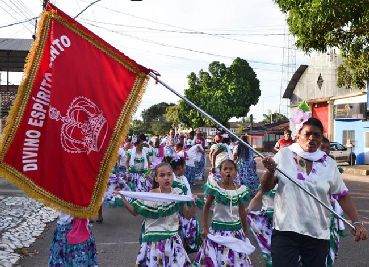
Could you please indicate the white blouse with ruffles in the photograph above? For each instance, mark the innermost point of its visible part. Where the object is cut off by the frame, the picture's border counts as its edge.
(295, 210)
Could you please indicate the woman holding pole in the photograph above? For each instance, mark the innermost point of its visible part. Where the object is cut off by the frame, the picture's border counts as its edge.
(301, 225)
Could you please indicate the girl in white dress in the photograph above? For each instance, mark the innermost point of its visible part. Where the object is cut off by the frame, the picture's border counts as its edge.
(229, 220)
(161, 244)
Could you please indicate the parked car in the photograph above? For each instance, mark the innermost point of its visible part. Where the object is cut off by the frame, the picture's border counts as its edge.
(342, 154)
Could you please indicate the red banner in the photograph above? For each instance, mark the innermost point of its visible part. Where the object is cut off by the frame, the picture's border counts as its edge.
(72, 108)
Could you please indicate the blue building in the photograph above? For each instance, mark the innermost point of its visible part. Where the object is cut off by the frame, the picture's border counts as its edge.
(351, 125)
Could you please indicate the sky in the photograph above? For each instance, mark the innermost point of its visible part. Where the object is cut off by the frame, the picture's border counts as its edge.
(176, 37)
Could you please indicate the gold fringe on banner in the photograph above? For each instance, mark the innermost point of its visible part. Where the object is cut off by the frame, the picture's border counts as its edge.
(17, 111)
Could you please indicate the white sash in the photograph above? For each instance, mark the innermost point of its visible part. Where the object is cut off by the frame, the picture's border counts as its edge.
(157, 197)
(233, 243)
(312, 156)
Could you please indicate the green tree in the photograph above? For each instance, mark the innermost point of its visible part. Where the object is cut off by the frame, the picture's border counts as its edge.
(321, 24)
(137, 127)
(154, 118)
(172, 116)
(223, 92)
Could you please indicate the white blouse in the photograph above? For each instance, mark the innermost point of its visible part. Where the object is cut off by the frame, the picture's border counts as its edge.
(161, 219)
(226, 208)
(296, 211)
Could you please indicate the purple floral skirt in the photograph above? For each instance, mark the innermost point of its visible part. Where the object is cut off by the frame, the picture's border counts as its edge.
(261, 226)
(167, 253)
(212, 254)
(190, 233)
(62, 254)
(142, 182)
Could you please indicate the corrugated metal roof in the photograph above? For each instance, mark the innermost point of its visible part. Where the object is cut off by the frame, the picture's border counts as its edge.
(13, 53)
(294, 80)
(15, 44)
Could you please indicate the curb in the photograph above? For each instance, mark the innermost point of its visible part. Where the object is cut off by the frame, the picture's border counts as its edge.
(354, 171)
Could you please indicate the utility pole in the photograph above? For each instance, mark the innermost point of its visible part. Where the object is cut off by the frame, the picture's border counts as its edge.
(288, 67)
(44, 3)
(251, 122)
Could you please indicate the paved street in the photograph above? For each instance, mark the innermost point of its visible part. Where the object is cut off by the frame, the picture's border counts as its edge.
(117, 237)
(22, 221)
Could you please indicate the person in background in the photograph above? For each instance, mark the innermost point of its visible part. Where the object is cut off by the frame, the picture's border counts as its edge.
(189, 158)
(261, 222)
(158, 150)
(232, 144)
(181, 140)
(218, 153)
(200, 165)
(244, 158)
(190, 140)
(217, 140)
(122, 154)
(337, 228)
(73, 243)
(137, 164)
(189, 227)
(285, 141)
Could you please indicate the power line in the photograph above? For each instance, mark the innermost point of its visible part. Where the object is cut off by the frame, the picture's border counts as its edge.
(182, 32)
(187, 29)
(10, 14)
(16, 23)
(26, 9)
(188, 58)
(177, 47)
(24, 13)
(83, 10)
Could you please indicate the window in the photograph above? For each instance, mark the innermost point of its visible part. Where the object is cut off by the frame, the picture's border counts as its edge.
(340, 147)
(270, 138)
(320, 81)
(348, 135)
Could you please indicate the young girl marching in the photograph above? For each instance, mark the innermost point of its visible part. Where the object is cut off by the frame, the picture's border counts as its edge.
(123, 149)
(72, 243)
(138, 164)
(161, 244)
(228, 223)
(189, 228)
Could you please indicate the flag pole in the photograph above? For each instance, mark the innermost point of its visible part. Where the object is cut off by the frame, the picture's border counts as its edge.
(189, 102)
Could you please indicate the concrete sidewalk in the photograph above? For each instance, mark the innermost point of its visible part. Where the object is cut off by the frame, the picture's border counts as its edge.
(356, 169)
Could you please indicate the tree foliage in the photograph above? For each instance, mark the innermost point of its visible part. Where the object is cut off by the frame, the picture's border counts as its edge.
(271, 117)
(137, 127)
(154, 118)
(321, 24)
(223, 92)
(172, 116)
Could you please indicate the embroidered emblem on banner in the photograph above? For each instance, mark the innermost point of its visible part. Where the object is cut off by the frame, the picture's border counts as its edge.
(83, 128)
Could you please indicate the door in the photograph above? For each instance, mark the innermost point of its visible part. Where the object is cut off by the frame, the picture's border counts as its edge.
(320, 111)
